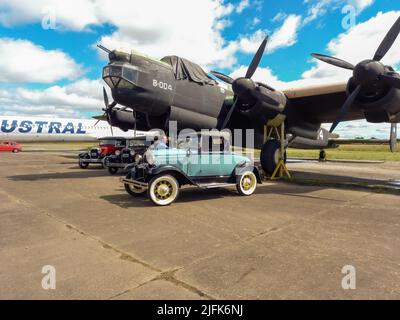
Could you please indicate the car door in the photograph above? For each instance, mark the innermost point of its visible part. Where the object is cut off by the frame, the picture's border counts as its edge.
(206, 161)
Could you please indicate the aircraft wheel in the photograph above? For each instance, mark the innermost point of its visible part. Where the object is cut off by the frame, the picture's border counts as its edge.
(247, 183)
(163, 190)
(270, 154)
(112, 170)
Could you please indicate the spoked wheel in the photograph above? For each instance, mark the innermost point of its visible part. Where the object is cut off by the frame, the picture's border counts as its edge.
(247, 183)
(133, 190)
(163, 190)
(83, 165)
(112, 170)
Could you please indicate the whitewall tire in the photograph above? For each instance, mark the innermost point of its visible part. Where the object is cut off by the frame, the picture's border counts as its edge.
(247, 183)
(163, 190)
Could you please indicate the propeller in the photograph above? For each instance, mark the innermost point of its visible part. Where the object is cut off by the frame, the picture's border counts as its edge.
(366, 72)
(107, 110)
(393, 137)
(244, 88)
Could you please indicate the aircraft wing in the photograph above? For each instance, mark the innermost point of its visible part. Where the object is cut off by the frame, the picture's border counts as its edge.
(321, 103)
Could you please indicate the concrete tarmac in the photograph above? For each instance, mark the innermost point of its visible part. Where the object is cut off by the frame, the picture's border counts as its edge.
(287, 241)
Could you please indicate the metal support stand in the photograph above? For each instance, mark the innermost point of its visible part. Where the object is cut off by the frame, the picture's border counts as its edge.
(280, 169)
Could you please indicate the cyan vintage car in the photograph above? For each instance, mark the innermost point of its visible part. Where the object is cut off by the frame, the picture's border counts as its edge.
(202, 159)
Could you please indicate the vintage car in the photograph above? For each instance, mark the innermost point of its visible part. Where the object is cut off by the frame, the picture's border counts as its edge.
(202, 159)
(107, 146)
(10, 146)
(132, 153)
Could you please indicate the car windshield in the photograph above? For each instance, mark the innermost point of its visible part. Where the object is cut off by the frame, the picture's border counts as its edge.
(137, 143)
(104, 142)
(191, 142)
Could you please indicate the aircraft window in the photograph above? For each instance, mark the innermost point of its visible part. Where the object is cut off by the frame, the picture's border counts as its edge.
(130, 74)
(125, 84)
(109, 82)
(115, 71)
(106, 72)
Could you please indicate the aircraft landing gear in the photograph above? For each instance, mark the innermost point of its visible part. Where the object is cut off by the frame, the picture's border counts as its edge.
(273, 152)
(270, 155)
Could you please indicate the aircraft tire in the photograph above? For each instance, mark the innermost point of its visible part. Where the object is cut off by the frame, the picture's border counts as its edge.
(269, 156)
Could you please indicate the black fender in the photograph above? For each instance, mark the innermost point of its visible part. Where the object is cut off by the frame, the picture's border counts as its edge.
(83, 154)
(240, 168)
(182, 177)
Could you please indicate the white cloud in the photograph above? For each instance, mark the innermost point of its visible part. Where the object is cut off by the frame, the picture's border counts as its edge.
(318, 8)
(280, 16)
(355, 45)
(23, 61)
(284, 36)
(70, 100)
(243, 4)
(187, 28)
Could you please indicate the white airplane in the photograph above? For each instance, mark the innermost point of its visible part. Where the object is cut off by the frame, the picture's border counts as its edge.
(28, 128)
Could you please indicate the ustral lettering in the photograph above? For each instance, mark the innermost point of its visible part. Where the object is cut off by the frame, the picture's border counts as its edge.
(44, 127)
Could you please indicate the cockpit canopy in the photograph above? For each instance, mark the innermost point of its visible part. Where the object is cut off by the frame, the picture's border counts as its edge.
(121, 75)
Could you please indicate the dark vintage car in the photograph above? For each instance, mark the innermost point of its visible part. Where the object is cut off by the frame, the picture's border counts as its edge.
(203, 160)
(107, 146)
(132, 153)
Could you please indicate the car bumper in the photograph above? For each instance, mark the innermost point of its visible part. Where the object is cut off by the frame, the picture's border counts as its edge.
(135, 183)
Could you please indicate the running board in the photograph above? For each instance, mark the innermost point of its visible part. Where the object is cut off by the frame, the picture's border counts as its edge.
(215, 185)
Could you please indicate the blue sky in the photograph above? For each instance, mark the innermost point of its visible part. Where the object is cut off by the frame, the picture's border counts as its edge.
(61, 68)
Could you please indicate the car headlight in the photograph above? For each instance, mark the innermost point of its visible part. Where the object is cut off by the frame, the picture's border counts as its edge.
(150, 157)
(138, 157)
(132, 153)
(117, 152)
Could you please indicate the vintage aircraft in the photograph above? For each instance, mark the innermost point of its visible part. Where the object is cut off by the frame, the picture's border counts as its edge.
(152, 92)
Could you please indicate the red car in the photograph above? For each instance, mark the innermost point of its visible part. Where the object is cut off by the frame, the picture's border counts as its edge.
(10, 146)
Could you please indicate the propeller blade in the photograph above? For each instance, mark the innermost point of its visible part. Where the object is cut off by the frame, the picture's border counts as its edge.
(393, 137)
(392, 81)
(97, 122)
(263, 97)
(333, 61)
(222, 77)
(256, 60)
(349, 102)
(228, 116)
(105, 96)
(388, 41)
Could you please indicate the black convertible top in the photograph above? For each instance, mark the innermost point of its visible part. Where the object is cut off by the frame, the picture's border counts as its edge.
(185, 69)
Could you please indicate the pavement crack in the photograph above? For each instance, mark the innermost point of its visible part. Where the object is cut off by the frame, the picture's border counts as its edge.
(168, 275)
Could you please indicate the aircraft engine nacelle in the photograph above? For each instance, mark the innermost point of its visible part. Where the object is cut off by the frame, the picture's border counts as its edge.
(260, 111)
(379, 102)
(124, 119)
